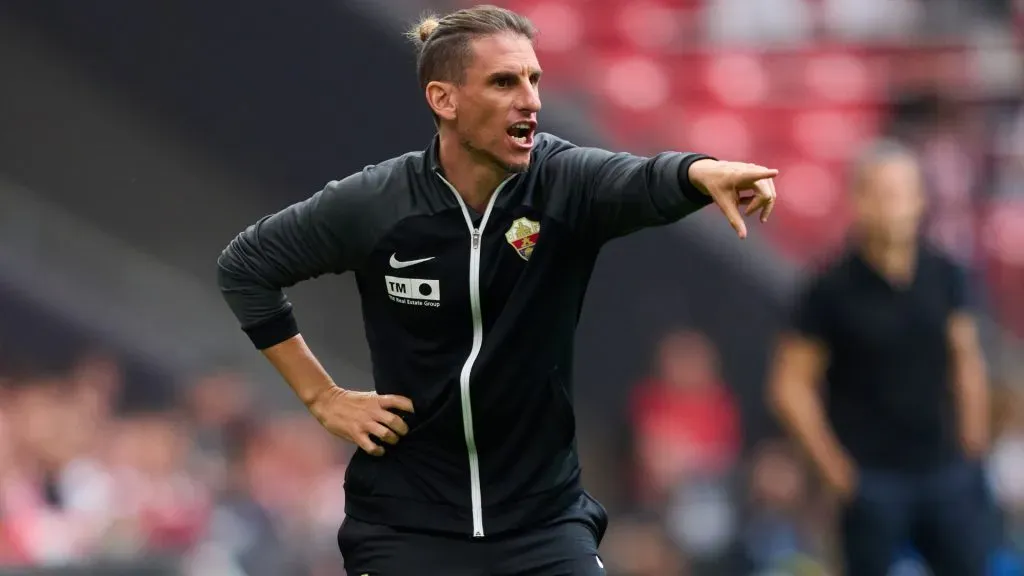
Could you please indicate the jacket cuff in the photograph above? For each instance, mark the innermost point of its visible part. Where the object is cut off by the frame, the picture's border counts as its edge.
(690, 191)
(273, 331)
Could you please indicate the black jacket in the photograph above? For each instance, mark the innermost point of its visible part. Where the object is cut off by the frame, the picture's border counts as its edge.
(471, 316)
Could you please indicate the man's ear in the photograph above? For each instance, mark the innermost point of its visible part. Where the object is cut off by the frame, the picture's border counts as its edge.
(442, 99)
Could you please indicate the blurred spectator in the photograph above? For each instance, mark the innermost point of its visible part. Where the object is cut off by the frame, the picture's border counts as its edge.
(55, 496)
(686, 421)
(641, 548)
(218, 401)
(782, 531)
(242, 532)
(687, 434)
(168, 502)
(306, 491)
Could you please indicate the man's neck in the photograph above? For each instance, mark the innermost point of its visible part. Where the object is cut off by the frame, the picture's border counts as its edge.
(894, 262)
(475, 181)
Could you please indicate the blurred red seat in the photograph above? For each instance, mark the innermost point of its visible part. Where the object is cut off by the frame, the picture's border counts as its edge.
(1003, 243)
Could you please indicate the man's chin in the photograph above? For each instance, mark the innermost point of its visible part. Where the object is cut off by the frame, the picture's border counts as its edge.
(519, 167)
(513, 164)
(517, 163)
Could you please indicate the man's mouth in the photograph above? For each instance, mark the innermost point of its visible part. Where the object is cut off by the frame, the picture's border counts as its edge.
(521, 133)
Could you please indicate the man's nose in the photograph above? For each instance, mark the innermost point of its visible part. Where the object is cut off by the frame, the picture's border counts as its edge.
(529, 101)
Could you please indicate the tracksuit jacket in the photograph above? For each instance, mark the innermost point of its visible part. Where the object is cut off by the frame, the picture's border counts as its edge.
(471, 316)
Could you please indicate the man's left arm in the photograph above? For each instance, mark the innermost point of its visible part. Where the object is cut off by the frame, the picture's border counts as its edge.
(969, 372)
(622, 193)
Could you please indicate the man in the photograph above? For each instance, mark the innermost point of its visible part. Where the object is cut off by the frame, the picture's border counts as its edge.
(889, 328)
(472, 259)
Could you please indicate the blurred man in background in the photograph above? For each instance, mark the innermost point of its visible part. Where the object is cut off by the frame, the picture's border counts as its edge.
(888, 326)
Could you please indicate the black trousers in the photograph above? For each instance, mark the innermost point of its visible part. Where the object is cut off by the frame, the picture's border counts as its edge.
(944, 514)
(565, 546)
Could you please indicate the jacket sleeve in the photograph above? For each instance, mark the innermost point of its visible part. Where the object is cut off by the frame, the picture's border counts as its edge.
(320, 235)
(615, 194)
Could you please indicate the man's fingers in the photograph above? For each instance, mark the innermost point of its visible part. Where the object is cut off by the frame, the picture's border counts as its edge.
(368, 445)
(769, 205)
(384, 433)
(753, 204)
(728, 204)
(741, 177)
(768, 188)
(764, 188)
(394, 422)
(753, 173)
(391, 401)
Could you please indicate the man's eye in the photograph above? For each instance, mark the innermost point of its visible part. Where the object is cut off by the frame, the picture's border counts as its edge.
(502, 82)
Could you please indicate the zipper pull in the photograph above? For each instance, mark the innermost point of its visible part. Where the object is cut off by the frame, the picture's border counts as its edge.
(476, 239)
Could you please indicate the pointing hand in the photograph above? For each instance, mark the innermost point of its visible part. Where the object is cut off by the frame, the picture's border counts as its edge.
(727, 182)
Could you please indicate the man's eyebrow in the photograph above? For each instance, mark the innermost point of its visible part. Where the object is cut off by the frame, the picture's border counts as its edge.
(510, 72)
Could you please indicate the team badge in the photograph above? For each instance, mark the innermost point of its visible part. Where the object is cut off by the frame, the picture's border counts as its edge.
(522, 236)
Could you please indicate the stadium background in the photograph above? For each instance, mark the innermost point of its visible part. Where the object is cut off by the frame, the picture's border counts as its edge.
(141, 434)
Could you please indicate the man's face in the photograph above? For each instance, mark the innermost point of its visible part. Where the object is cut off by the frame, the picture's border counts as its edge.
(889, 202)
(496, 106)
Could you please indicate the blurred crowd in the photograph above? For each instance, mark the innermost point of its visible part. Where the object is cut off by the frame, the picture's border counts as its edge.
(209, 483)
(214, 486)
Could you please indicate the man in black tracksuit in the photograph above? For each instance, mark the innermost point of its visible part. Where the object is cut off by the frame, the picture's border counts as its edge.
(472, 259)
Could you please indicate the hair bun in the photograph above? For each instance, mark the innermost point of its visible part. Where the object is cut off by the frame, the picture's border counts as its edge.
(426, 27)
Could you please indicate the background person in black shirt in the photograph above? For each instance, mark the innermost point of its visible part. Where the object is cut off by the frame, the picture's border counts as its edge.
(904, 416)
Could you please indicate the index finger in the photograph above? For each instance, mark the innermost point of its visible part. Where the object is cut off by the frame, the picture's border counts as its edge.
(752, 173)
(389, 401)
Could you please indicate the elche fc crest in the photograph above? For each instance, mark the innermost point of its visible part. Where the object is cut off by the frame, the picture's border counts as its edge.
(522, 236)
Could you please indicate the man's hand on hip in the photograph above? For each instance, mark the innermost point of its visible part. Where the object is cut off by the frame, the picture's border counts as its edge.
(359, 416)
(727, 183)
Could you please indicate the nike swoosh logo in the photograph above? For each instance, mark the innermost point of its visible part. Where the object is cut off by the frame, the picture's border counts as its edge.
(396, 263)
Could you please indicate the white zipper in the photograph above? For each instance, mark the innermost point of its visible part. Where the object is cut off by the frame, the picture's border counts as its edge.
(478, 340)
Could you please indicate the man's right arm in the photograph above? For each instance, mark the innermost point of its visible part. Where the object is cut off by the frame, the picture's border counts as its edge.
(327, 233)
(316, 236)
(794, 390)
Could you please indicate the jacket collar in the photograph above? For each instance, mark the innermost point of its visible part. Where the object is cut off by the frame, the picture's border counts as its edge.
(432, 154)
